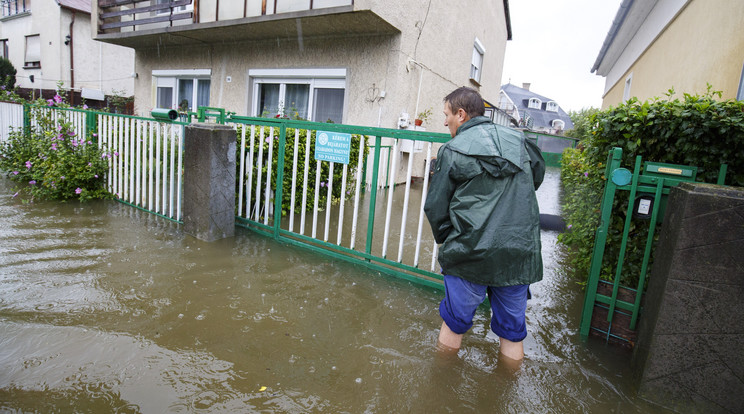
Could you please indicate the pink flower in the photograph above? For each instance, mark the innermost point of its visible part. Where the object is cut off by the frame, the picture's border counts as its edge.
(15, 172)
(96, 175)
(57, 98)
(85, 106)
(32, 182)
(28, 165)
(78, 190)
(54, 146)
(50, 102)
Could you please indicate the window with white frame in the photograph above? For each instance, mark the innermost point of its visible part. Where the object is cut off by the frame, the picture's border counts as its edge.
(4, 48)
(558, 124)
(551, 106)
(534, 103)
(184, 90)
(33, 52)
(476, 66)
(628, 84)
(314, 94)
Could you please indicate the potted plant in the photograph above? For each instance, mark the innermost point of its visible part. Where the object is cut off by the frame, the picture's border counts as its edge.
(423, 117)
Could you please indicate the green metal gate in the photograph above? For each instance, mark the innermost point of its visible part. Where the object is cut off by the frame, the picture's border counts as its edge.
(610, 309)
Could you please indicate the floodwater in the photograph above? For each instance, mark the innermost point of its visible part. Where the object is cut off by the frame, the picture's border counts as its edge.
(105, 308)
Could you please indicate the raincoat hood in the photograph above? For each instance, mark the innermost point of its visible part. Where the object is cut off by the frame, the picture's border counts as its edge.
(500, 151)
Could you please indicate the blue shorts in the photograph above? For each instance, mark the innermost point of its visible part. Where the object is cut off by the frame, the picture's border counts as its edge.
(508, 304)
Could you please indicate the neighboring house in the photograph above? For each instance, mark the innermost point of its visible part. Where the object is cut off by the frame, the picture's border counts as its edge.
(532, 111)
(657, 45)
(49, 41)
(363, 62)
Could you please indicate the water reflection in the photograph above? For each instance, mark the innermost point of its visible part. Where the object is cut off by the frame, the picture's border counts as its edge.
(104, 308)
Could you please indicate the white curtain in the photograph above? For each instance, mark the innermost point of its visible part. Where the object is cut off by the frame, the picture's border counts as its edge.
(329, 105)
(296, 100)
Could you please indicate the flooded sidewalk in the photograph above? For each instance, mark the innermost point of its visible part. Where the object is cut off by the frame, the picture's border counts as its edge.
(105, 308)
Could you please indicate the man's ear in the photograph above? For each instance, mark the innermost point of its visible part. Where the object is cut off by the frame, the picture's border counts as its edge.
(462, 115)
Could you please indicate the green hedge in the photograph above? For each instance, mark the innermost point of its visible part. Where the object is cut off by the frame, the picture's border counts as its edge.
(695, 130)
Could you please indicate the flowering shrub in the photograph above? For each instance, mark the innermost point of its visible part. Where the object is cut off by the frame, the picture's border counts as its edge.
(52, 162)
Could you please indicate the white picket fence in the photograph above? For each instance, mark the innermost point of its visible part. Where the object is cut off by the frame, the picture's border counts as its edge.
(145, 162)
(11, 118)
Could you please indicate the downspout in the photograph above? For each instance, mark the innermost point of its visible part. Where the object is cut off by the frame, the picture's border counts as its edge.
(72, 62)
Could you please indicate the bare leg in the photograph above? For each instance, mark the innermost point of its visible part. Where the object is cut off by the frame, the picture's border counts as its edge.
(512, 350)
(448, 338)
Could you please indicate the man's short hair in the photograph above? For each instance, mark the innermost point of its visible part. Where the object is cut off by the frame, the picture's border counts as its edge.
(468, 99)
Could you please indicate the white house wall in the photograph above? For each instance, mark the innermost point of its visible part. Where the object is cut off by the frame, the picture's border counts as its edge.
(97, 65)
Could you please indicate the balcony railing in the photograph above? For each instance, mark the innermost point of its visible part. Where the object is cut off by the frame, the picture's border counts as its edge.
(14, 7)
(129, 15)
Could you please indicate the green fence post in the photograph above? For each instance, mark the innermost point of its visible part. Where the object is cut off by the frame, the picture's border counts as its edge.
(91, 125)
(624, 241)
(279, 191)
(26, 119)
(600, 239)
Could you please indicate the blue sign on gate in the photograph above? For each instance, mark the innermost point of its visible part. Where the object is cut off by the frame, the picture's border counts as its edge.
(332, 146)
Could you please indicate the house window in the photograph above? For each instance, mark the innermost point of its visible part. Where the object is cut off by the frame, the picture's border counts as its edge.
(740, 94)
(628, 83)
(551, 106)
(534, 103)
(182, 90)
(33, 52)
(477, 64)
(558, 125)
(171, 9)
(4, 48)
(314, 94)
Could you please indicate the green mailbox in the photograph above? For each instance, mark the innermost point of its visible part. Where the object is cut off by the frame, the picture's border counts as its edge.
(162, 114)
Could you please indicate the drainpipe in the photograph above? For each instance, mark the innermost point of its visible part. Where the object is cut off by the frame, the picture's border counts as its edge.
(72, 62)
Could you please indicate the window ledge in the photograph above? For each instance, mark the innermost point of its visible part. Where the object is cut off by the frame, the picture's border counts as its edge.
(475, 82)
(32, 67)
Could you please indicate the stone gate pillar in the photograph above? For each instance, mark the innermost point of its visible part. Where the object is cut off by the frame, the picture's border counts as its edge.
(690, 350)
(209, 181)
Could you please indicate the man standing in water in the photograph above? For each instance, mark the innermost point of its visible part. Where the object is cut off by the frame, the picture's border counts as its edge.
(483, 210)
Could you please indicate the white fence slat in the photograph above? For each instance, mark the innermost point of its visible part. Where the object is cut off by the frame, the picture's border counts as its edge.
(329, 198)
(241, 169)
(391, 188)
(269, 164)
(424, 190)
(406, 198)
(294, 179)
(357, 190)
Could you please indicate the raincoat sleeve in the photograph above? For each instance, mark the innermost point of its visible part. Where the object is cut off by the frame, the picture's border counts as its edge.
(537, 163)
(441, 190)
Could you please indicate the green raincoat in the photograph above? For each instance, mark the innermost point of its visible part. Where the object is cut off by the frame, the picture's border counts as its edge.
(482, 207)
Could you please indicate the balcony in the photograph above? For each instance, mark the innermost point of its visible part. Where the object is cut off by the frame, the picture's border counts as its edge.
(150, 23)
(12, 8)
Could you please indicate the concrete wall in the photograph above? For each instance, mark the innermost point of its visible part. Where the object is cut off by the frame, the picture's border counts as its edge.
(690, 350)
(702, 45)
